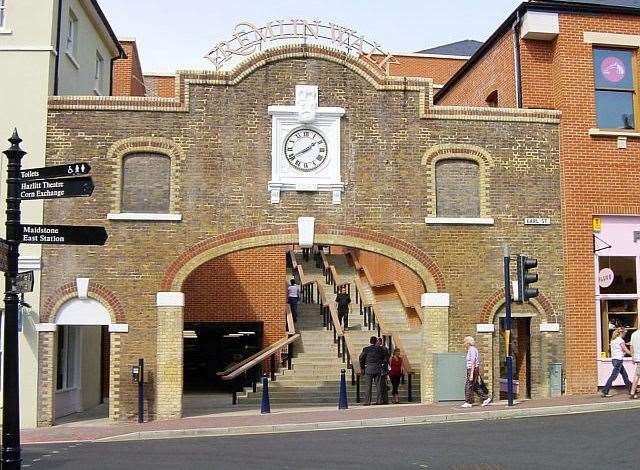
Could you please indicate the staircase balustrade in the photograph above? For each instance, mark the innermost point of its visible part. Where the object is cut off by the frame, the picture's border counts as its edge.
(330, 321)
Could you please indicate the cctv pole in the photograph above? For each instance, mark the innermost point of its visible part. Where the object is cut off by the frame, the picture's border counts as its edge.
(506, 253)
(10, 386)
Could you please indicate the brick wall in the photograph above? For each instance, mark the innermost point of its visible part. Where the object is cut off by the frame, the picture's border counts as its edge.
(440, 69)
(495, 71)
(225, 132)
(163, 86)
(457, 188)
(385, 270)
(127, 73)
(598, 178)
(243, 286)
(155, 178)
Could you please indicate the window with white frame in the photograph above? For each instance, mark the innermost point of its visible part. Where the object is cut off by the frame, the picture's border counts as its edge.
(3, 15)
(98, 72)
(72, 34)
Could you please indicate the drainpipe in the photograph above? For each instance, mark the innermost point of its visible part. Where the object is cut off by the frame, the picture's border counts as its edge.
(57, 64)
(113, 59)
(516, 56)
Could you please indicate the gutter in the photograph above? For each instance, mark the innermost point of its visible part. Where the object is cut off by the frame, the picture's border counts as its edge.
(509, 22)
(517, 26)
(57, 64)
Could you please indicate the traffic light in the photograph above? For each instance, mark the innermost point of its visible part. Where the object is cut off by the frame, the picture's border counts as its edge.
(526, 278)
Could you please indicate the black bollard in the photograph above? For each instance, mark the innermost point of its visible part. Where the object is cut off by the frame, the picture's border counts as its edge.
(342, 402)
(265, 408)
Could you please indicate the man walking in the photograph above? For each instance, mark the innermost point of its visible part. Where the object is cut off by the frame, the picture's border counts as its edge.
(371, 361)
(343, 300)
(293, 294)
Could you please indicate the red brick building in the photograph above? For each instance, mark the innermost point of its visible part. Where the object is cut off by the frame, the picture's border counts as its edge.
(580, 57)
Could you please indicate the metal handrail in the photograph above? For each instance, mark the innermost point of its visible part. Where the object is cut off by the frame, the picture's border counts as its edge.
(256, 359)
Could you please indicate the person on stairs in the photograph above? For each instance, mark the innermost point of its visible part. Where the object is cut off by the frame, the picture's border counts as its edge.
(343, 300)
(293, 294)
(371, 360)
(472, 384)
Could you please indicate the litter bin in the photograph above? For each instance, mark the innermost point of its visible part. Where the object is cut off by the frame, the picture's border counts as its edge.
(555, 379)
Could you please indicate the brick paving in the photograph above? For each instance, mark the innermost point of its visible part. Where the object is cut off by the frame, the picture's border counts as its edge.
(247, 418)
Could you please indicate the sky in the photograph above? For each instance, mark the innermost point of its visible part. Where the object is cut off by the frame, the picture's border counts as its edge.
(175, 35)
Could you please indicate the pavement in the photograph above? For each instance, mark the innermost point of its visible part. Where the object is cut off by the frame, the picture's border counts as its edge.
(284, 420)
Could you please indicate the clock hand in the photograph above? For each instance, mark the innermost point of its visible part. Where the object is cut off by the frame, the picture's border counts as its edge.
(306, 149)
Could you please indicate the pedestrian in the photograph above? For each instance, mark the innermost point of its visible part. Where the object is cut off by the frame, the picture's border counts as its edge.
(396, 372)
(343, 300)
(635, 351)
(371, 360)
(618, 350)
(383, 383)
(472, 385)
(293, 294)
(305, 253)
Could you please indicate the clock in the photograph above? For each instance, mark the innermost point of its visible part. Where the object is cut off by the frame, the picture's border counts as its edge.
(305, 149)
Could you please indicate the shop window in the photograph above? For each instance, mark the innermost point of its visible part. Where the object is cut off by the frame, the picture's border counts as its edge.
(624, 274)
(618, 297)
(146, 183)
(457, 188)
(66, 357)
(614, 88)
(492, 99)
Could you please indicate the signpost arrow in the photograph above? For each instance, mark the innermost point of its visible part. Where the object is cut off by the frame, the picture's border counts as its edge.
(60, 171)
(63, 234)
(56, 188)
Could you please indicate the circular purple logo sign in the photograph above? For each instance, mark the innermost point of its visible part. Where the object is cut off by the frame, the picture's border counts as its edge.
(612, 69)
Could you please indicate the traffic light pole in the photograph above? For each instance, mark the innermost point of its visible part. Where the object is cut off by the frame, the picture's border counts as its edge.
(10, 382)
(507, 323)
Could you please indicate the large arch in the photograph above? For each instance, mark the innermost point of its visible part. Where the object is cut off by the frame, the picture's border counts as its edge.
(170, 301)
(410, 255)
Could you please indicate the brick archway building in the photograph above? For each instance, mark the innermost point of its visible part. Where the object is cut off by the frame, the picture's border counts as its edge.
(205, 158)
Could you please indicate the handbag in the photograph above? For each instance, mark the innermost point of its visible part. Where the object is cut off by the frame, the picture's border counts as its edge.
(482, 386)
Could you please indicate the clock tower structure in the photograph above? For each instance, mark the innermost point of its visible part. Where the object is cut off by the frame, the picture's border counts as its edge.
(305, 147)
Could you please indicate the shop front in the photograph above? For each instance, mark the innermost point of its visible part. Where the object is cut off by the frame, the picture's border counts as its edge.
(617, 271)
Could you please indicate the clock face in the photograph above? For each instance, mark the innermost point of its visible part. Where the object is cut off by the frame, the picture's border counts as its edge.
(305, 149)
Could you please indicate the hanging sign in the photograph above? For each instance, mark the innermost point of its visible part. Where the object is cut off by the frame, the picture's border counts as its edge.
(249, 38)
(605, 277)
(597, 224)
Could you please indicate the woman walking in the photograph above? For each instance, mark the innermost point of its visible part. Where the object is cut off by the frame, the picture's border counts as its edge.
(395, 373)
(618, 350)
(473, 373)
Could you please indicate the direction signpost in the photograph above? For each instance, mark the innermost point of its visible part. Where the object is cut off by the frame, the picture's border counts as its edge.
(55, 182)
(56, 188)
(63, 234)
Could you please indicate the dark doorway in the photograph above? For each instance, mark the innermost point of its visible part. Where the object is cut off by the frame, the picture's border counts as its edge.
(521, 351)
(210, 347)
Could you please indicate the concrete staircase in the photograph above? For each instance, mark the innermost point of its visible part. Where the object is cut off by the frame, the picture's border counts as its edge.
(314, 378)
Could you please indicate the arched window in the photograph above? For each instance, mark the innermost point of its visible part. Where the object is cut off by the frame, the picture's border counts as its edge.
(146, 183)
(457, 188)
(492, 99)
